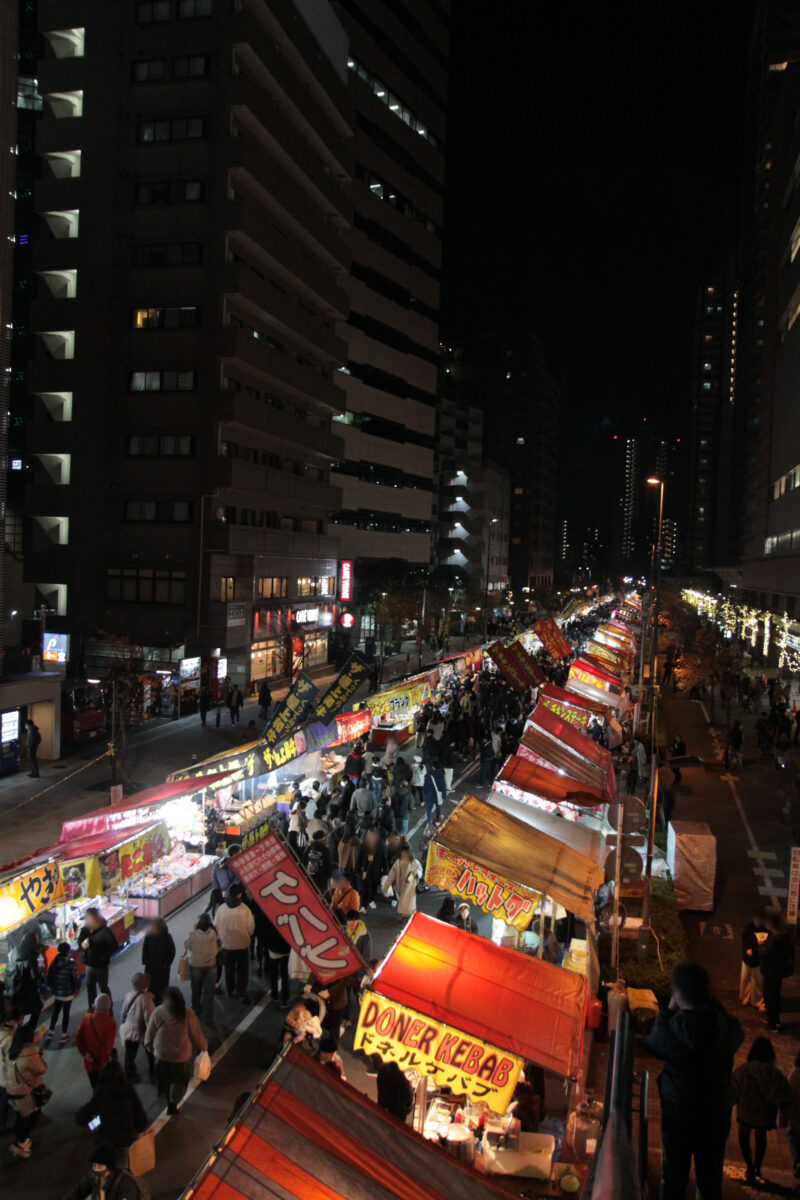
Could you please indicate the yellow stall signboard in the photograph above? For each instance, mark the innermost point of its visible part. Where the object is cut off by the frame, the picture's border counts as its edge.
(510, 902)
(451, 1058)
(398, 702)
(29, 893)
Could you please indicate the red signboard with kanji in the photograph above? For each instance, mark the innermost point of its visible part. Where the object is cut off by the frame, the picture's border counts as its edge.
(508, 666)
(552, 639)
(282, 890)
(531, 670)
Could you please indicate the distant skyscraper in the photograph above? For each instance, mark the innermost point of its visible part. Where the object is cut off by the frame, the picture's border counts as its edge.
(712, 540)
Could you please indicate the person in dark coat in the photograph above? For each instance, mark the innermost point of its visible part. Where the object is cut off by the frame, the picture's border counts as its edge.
(754, 936)
(777, 964)
(116, 1103)
(447, 911)
(696, 1039)
(33, 740)
(64, 982)
(278, 962)
(318, 863)
(97, 944)
(224, 876)
(395, 1093)
(22, 978)
(106, 1179)
(370, 866)
(158, 954)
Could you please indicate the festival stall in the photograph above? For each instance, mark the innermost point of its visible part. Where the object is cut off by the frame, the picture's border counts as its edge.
(305, 1134)
(393, 711)
(520, 868)
(587, 684)
(552, 790)
(553, 742)
(571, 707)
(106, 870)
(619, 660)
(29, 890)
(180, 805)
(461, 1016)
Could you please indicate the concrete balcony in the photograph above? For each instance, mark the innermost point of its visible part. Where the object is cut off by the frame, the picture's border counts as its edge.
(302, 382)
(238, 280)
(58, 134)
(266, 481)
(247, 413)
(283, 195)
(249, 540)
(61, 74)
(245, 221)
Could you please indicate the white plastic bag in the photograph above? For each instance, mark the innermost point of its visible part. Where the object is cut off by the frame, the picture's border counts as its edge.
(202, 1066)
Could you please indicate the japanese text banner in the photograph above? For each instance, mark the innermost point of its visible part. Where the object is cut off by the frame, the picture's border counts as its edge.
(29, 893)
(579, 717)
(283, 891)
(343, 688)
(533, 673)
(552, 639)
(508, 666)
(292, 710)
(510, 902)
(452, 1059)
(399, 701)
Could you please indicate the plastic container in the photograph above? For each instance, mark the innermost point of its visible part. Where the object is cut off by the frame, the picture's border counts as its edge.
(534, 1158)
(594, 1013)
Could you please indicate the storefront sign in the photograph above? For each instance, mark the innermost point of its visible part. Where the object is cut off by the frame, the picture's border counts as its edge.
(55, 647)
(292, 710)
(307, 616)
(346, 580)
(343, 688)
(282, 890)
(794, 886)
(102, 873)
(243, 764)
(451, 1058)
(9, 726)
(510, 902)
(579, 717)
(29, 893)
(533, 673)
(576, 672)
(347, 620)
(552, 639)
(188, 674)
(350, 726)
(236, 615)
(400, 701)
(508, 666)
(259, 830)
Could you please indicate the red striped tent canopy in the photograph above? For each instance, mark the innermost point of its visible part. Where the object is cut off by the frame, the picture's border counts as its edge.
(308, 1136)
(464, 981)
(561, 696)
(562, 738)
(114, 816)
(554, 785)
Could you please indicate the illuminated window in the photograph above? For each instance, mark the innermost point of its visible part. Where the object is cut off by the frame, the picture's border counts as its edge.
(181, 380)
(227, 588)
(184, 317)
(176, 129)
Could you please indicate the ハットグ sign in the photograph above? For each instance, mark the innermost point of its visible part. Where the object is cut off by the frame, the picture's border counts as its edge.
(451, 1058)
(399, 701)
(282, 890)
(552, 639)
(28, 893)
(510, 902)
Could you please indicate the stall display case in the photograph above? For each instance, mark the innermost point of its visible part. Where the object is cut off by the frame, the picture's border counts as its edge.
(172, 882)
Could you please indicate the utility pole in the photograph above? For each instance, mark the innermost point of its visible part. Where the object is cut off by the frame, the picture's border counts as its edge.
(492, 521)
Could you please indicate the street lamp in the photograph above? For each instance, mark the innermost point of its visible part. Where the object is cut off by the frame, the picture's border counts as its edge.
(492, 521)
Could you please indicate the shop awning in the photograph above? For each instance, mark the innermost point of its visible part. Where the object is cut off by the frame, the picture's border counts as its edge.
(100, 820)
(618, 658)
(562, 696)
(500, 842)
(589, 843)
(553, 785)
(529, 1008)
(605, 671)
(307, 1135)
(562, 735)
(583, 683)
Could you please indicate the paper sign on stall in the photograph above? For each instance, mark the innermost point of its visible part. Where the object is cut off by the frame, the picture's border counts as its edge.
(509, 902)
(452, 1059)
(36, 889)
(282, 890)
(552, 639)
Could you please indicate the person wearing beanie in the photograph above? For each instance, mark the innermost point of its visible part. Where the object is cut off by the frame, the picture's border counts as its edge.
(95, 1037)
(137, 1009)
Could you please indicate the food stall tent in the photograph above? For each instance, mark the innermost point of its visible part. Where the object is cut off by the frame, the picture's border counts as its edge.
(529, 1008)
(551, 789)
(556, 699)
(148, 804)
(307, 1135)
(564, 736)
(584, 683)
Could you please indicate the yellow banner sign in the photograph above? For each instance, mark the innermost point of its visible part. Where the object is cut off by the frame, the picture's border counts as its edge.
(510, 902)
(32, 892)
(398, 702)
(452, 1059)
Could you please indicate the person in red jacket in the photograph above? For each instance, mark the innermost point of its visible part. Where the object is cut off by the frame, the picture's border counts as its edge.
(95, 1037)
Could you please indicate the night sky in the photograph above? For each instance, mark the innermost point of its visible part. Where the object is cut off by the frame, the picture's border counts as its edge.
(595, 165)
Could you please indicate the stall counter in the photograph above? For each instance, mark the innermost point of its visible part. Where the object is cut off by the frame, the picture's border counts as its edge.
(166, 889)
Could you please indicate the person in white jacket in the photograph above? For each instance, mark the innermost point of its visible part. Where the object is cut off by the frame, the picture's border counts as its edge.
(235, 926)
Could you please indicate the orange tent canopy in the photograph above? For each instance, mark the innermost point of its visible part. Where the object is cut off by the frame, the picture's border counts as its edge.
(552, 785)
(564, 741)
(517, 1003)
(562, 696)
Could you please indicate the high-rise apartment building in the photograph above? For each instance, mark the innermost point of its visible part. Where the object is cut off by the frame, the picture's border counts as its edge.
(191, 249)
(626, 500)
(398, 83)
(712, 530)
(8, 141)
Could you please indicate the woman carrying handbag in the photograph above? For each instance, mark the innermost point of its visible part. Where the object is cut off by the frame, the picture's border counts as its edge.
(23, 1070)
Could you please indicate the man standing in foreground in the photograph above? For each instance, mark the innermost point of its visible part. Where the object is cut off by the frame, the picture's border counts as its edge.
(696, 1039)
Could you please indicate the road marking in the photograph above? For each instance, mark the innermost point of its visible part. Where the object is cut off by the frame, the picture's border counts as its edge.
(763, 855)
(774, 893)
(769, 871)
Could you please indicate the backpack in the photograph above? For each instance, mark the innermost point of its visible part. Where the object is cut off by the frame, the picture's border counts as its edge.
(134, 1186)
(8, 1072)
